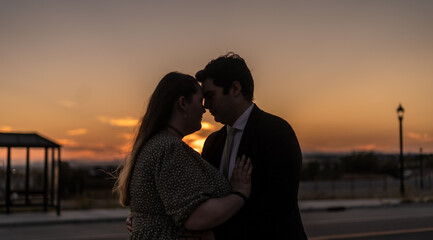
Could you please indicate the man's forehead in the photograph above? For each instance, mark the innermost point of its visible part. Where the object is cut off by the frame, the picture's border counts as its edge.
(208, 85)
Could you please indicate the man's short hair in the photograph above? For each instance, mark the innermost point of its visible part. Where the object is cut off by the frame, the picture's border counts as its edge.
(225, 70)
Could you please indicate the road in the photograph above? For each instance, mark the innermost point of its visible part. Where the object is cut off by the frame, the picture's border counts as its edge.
(413, 221)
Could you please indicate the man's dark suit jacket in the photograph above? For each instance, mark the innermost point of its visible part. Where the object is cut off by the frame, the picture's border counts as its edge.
(272, 211)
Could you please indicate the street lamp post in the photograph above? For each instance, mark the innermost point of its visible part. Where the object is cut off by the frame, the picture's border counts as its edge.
(421, 174)
(400, 112)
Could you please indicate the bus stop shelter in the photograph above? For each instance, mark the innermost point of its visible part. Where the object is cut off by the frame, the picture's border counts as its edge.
(51, 180)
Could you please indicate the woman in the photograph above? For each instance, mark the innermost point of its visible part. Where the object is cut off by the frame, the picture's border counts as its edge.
(165, 182)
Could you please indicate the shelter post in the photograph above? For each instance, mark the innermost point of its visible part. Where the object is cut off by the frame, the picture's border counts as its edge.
(46, 180)
(52, 178)
(58, 181)
(8, 181)
(27, 186)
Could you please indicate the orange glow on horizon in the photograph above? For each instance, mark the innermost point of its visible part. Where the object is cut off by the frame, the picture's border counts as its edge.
(5, 129)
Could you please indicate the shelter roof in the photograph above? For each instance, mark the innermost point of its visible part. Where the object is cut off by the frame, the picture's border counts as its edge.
(25, 140)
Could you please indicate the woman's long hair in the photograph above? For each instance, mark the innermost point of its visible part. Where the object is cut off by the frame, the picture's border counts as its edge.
(158, 114)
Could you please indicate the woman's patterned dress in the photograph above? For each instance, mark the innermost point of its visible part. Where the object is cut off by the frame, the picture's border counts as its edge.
(169, 181)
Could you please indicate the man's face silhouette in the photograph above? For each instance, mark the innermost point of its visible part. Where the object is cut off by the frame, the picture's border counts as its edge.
(220, 105)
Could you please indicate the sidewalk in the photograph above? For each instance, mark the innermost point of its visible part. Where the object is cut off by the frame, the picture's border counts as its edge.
(110, 215)
(66, 216)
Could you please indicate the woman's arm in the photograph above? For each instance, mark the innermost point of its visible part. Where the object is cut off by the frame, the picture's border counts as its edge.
(214, 212)
(218, 210)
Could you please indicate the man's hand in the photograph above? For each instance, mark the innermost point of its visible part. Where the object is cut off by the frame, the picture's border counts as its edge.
(129, 224)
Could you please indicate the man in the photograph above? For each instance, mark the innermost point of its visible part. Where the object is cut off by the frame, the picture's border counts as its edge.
(272, 210)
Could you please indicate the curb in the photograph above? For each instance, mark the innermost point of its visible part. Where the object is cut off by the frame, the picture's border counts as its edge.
(342, 205)
(58, 222)
(66, 217)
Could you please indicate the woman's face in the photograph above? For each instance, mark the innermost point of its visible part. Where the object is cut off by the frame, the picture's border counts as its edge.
(195, 110)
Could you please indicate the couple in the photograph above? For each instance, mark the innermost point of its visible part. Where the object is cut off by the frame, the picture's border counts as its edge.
(171, 190)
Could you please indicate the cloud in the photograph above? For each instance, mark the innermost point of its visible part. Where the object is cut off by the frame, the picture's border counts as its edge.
(119, 122)
(195, 141)
(5, 129)
(367, 147)
(207, 126)
(66, 103)
(76, 132)
(125, 149)
(67, 142)
(420, 137)
(127, 136)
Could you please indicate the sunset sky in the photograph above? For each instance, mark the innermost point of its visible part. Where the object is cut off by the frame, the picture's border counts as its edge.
(81, 72)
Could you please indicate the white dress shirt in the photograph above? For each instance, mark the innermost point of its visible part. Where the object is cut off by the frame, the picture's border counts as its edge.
(239, 124)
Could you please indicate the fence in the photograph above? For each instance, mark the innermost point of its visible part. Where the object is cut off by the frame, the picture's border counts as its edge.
(366, 187)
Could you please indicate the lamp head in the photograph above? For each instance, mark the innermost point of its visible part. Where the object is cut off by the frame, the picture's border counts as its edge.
(400, 111)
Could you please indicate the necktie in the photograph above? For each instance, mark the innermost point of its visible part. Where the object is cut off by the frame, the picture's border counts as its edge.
(227, 151)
